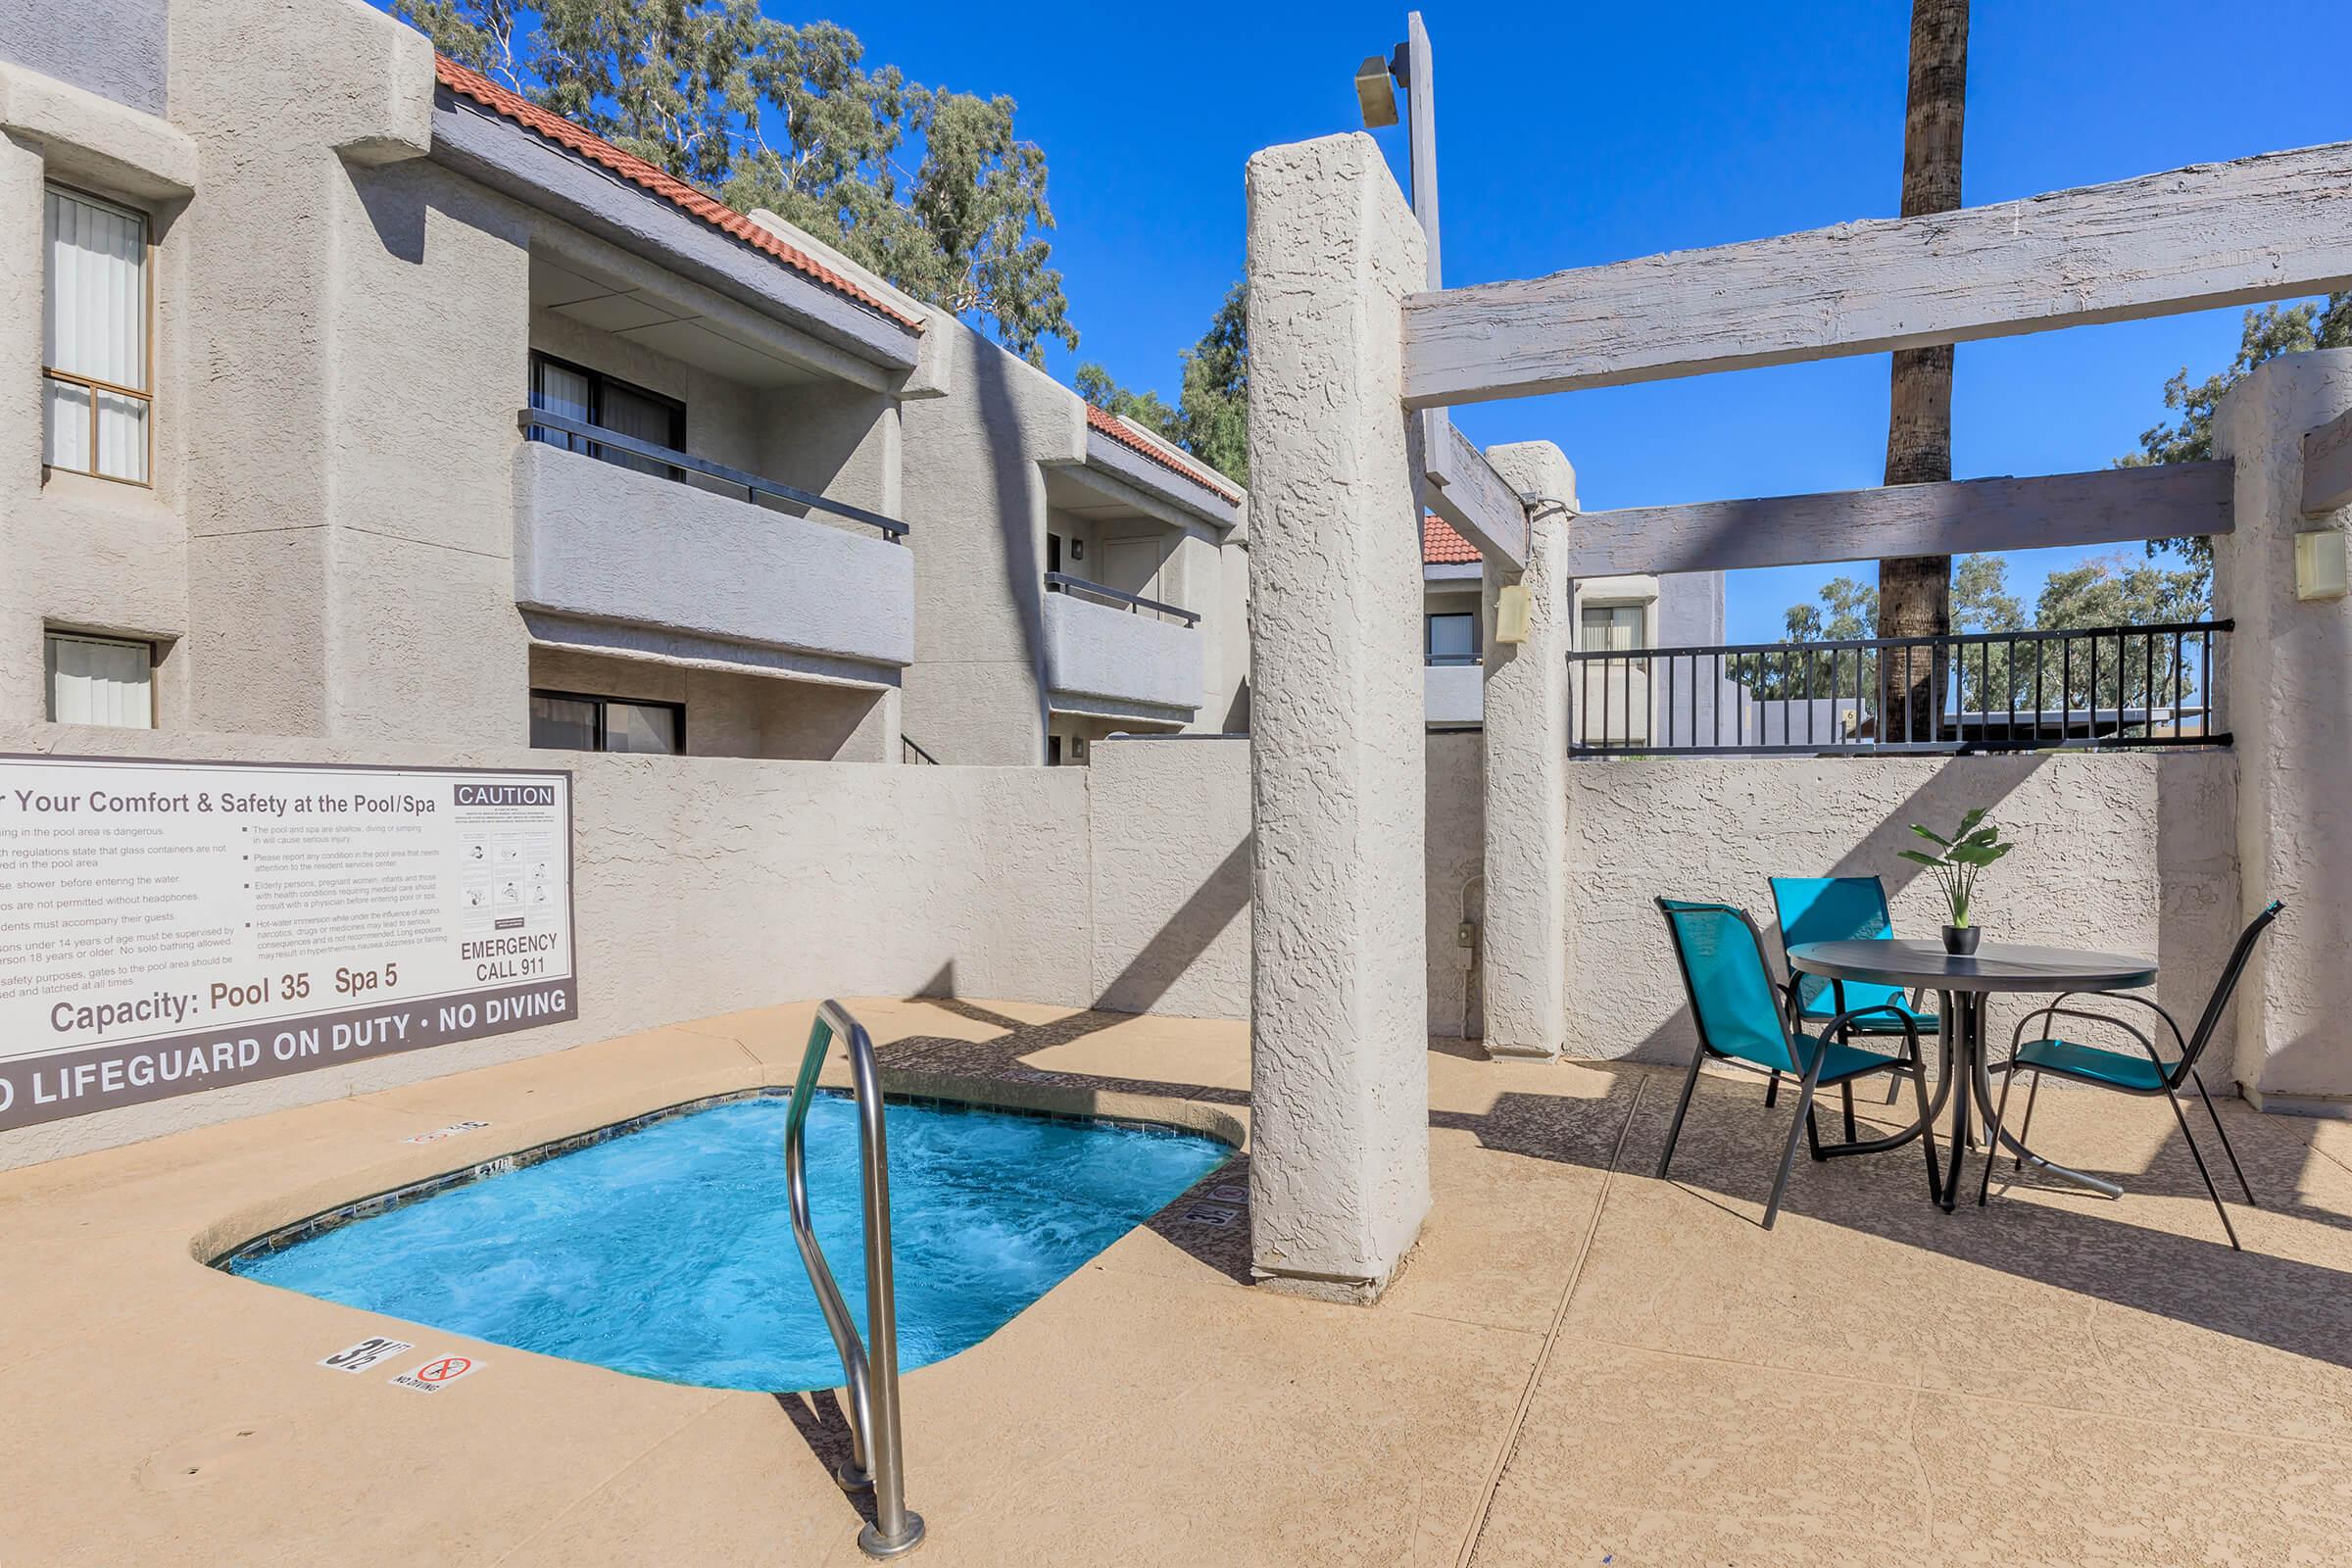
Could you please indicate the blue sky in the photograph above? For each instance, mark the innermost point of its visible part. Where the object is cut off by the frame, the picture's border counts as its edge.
(1574, 135)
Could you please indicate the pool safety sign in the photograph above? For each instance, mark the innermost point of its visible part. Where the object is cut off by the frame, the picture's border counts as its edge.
(171, 928)
(437, 1374)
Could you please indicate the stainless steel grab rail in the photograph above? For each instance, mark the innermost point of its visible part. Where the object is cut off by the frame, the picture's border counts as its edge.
(876, 1458)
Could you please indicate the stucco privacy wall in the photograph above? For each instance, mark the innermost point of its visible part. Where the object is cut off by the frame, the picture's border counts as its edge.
(2126, 852)
(707, 883)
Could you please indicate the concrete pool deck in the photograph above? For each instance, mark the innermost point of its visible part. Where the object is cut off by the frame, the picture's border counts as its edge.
(1579, 1363)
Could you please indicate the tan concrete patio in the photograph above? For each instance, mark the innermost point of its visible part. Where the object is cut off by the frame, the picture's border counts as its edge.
(1580, 1363)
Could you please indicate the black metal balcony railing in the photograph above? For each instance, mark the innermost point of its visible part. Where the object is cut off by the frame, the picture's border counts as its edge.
(2096, 687)
(1064, 583)
(538, 424)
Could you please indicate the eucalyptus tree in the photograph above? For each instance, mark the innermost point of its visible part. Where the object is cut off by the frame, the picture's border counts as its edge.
(932, 188)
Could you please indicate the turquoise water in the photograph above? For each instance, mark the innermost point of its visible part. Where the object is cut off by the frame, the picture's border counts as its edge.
(667, 1252)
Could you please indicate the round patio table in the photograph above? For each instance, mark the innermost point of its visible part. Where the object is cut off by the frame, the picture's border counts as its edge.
(1962, 984)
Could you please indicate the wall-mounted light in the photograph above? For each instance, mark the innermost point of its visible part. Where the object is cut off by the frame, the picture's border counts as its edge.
(1376, 93)
(1077, 550)
(1511, 614)
(2319, 564)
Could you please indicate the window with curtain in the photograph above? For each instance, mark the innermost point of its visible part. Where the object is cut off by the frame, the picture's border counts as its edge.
(1452, 639)
(590, 397)
(100, 680)
(578, 721)
(95, 358)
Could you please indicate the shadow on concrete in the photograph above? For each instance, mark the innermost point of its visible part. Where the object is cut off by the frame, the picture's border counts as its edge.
(825, 1425)
(1726, 1157)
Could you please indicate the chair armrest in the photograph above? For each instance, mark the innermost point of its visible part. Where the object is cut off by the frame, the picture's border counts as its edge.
(1910, 1029)
(2054, 1011)
(2120, 995)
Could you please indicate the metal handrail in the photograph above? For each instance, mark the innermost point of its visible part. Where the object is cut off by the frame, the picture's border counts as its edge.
(1079, 585)
(876, 1455)
(754, 486)
(908, 742)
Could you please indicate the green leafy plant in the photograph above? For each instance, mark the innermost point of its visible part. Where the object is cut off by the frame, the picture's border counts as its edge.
(1975, 844)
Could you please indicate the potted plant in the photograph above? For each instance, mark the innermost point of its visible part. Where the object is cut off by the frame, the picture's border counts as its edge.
(1975, 844)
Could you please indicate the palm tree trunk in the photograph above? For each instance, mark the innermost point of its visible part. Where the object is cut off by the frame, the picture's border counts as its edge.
(1915, 594)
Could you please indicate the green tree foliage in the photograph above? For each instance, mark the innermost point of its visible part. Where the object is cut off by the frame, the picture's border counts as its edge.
(1994, 675)
(762, 113)
(2265, 335)
(1212, 422)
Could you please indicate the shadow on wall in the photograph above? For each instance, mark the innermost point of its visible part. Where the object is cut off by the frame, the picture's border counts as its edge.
(1222, 897)
(1944, 798)
(1008, 464)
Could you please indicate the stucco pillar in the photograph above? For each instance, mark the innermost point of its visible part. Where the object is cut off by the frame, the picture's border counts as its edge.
(1338, 1177)
(2288, 691)
(1524, 953)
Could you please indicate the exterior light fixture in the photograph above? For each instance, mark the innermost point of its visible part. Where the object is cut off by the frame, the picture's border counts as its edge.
(2320, 565)
(1510, 614)
(1375, 93)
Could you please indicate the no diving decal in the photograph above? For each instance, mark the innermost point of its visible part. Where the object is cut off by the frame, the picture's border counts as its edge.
(437, 1374)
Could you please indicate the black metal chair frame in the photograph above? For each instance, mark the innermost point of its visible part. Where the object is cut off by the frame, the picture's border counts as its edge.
(1910, 1063)
(1837, 990)
(2171, 1075)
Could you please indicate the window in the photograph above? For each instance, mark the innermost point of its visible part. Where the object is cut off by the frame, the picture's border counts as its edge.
(590, 397)
(573, 721)
(1611, 628)
(100, 680)
(1454, 638)
(95, 396)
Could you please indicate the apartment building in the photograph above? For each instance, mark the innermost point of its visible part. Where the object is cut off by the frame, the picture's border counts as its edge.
(363, 400)
(1619, 702)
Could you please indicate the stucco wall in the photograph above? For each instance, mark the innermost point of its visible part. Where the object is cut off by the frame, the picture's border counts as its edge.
(1453, 694)
(1170, 872)
(2130, 853)
(599, 541)
(707, 883)
(1096, 651)
(114, 48)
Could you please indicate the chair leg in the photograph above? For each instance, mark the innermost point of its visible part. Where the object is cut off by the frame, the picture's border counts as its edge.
(1847, 1090)
(1675, 1130)
(1993, 1134)
(2025, 1127)
(2214, 1191)
(1927, 1122)
(1804, 1120)
(2218, 1128)
(1772, 1090)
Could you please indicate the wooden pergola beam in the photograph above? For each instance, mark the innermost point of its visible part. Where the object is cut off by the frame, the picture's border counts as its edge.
(1477, 502)
(2211, 234)
(2110, 506)
(2328, 467)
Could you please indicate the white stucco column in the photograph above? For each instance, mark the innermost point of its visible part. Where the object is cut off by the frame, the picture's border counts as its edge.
(1338, 1177)
(2290, 705)
(1524, 953)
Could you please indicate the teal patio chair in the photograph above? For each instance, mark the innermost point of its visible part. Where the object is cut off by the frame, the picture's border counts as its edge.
(2149, 1074)
(1741, 1021)
(1840, 908)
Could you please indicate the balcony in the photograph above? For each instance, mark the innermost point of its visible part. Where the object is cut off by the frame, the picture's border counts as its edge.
(1453, 691)
(1118, 654)
(698, 556)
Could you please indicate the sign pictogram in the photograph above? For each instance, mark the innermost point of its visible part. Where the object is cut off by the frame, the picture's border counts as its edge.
(437, 1374)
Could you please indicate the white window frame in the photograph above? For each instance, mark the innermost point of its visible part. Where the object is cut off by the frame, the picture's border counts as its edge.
(145, 395)
(52, 636)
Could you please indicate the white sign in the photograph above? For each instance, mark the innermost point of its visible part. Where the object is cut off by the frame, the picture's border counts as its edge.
(437, 1374)
(365, 1355)
(168, 927)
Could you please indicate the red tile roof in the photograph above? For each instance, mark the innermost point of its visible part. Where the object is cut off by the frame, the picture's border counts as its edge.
(1441, 546)
(1118, 430)
(718, 215)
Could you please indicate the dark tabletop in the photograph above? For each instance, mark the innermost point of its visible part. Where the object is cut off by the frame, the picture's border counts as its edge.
(1993, 966)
